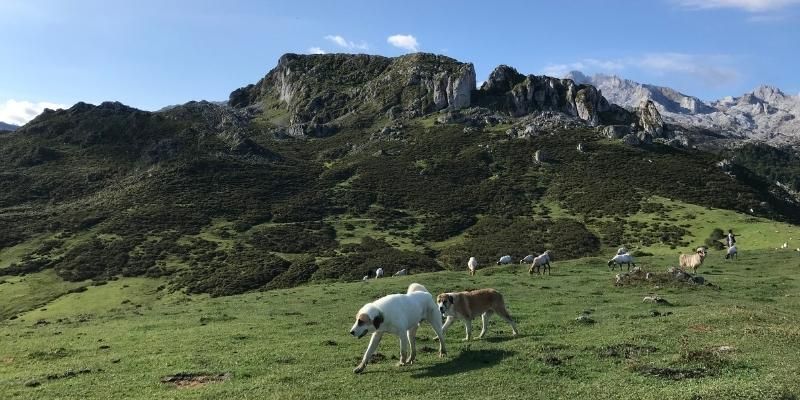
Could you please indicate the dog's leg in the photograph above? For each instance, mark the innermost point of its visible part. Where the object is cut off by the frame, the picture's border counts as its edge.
(403, 349)
(435, 318)
(373, 345)
(468, 327)
(412, 339)
(503, 313)
(484, 323)
(447, 323)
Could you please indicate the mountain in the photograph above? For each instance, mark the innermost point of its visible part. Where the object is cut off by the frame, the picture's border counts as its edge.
(7, 127)
(331, 165)
(765, 114)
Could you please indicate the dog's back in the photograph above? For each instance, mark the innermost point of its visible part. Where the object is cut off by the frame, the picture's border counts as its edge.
(416, 287)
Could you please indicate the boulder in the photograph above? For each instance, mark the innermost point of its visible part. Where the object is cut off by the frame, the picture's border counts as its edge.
(631, 140)
(616, 131)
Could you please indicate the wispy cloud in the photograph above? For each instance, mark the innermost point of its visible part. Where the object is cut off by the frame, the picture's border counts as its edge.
(346, 44)
(405, 42)
(712, 70)
(747, 5)
(316, 50)
(19, 112)
(585, 64)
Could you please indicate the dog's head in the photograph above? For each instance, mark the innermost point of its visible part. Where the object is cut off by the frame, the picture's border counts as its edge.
(366, 323)
(445, 302)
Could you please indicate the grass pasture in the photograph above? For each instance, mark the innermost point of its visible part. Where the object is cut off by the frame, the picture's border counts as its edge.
(120, 339)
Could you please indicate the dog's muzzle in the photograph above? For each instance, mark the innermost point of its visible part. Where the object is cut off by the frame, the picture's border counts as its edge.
(442, 310)
(358, 336)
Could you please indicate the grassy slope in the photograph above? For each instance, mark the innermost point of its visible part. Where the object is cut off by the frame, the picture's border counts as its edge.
(276, 343)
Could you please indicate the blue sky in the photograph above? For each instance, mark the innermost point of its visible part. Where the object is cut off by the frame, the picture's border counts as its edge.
(152, 53)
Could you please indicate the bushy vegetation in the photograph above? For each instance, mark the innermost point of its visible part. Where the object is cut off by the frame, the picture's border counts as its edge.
(239, 273)
(310, 237)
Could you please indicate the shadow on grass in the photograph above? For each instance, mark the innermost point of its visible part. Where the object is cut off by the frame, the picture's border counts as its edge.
(466, 361)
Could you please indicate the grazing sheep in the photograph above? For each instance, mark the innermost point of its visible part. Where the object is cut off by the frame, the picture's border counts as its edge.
(692, 261)
(785, 245)
(541, 263)
(528, 259)
(622, 250)
(620, 259)
(379, 273)
(472, 264)
(732, 252)
(402, 272)
(504, 260)
(365, 278)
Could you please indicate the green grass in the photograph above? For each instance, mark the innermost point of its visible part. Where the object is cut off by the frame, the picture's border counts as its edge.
(294, 343)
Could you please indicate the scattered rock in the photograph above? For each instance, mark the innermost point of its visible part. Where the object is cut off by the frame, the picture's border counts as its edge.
(616, 131)
(585, 319)
(631, 140)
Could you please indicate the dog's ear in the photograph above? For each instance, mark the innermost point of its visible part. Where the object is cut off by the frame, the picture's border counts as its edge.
(378, 321)
(450, 299)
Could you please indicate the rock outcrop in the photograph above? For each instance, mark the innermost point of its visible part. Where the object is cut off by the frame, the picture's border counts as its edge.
(311, 94)
(650, 119)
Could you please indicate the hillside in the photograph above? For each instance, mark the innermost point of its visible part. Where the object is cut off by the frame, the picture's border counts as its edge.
(7, 127)
(333, 165)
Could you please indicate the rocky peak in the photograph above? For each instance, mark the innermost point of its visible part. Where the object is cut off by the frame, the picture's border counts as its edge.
(502, 79)
(315, 92)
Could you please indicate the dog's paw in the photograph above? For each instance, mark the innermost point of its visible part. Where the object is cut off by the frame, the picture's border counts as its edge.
(359, 369)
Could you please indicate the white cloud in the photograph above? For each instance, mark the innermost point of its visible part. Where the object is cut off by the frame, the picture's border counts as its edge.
(747, 5)
(316, 50)
(405, 42)
(20, 112)
(713, 70)
(344, 43)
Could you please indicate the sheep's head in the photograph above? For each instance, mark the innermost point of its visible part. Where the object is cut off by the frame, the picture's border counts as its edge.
(611, 261)
(702, 251)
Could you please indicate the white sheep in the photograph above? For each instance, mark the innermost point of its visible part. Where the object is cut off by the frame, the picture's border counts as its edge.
(731, 253)
(620, 259)
(622, 250)
(402, 272)
(379, 273)
(528, 259)
(692, 261)
(365, 278)
(785, 245)
(541, 263)
(504, 260)
(472, 265)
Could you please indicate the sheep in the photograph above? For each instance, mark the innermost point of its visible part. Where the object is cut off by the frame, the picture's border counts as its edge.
(541, 263)
(528, 259)
(622, 250)
(504, 260)
(379, 273)
(620, 259)
(365, 278)
(692, 261)
(472, 265)
(785, 245)
(732, 253)
(402, 272)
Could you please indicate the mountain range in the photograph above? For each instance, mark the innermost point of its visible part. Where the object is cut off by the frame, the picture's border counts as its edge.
(766, 114)
(7, 127)
(331, 165)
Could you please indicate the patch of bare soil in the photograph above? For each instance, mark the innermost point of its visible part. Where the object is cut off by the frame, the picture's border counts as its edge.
(189, 380)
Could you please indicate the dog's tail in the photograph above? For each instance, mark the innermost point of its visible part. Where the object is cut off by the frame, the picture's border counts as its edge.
(416, 287)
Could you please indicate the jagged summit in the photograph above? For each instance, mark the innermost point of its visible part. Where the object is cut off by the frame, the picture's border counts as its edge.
(764, 114)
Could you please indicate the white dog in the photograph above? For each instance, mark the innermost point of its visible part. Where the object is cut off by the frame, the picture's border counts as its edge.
(399, 314)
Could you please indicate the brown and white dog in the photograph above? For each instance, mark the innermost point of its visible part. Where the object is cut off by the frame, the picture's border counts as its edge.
(468, 305)
(399, 314)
